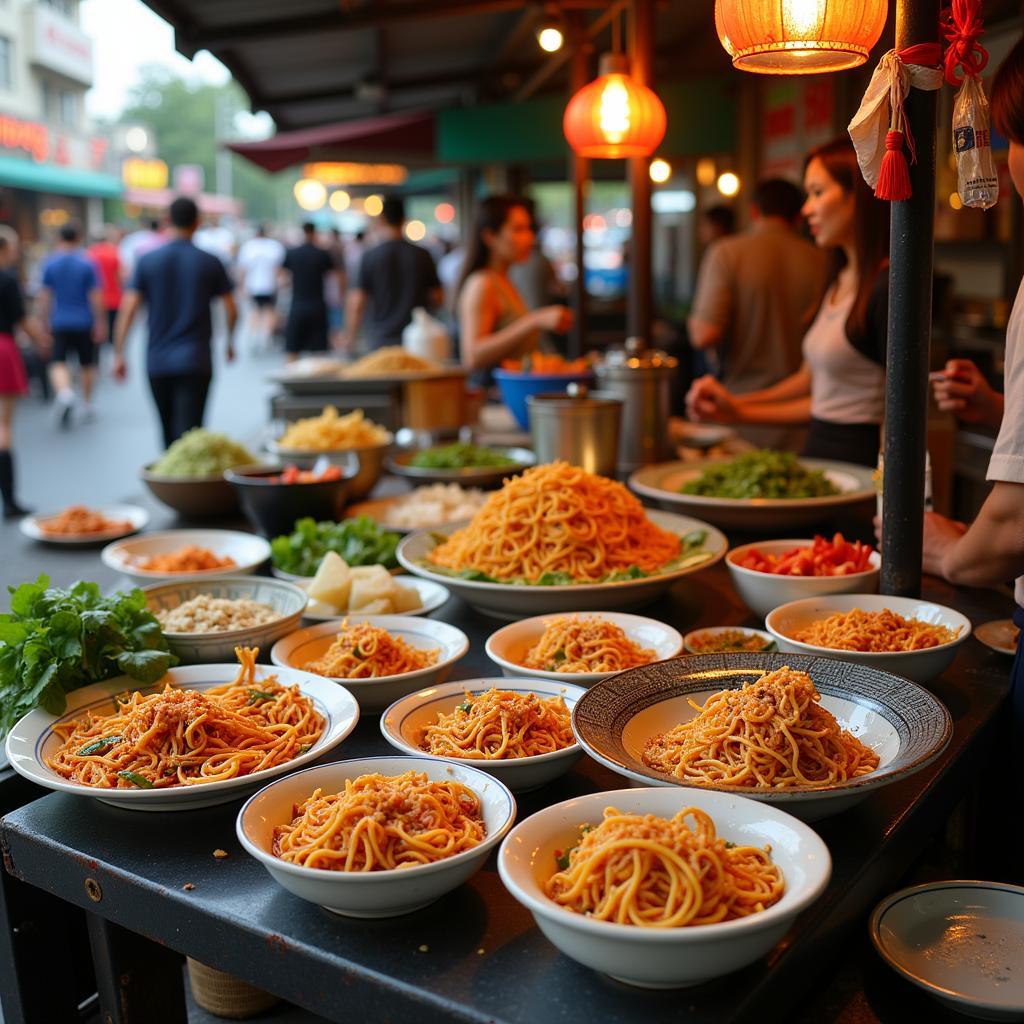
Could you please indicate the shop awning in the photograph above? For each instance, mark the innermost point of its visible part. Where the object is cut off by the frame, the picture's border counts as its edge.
(404, 137)
(161, 199)
(67, 181)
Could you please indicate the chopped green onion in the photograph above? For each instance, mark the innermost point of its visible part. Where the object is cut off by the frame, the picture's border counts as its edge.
(464, 707)
(562, 859)
(255, 696)
(136, 780)
(106, 741)
(559, 656)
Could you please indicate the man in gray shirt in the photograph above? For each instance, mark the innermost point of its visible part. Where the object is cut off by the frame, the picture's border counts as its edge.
(755, 298)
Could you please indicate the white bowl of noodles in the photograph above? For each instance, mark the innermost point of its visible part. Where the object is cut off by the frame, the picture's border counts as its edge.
(380, 892)
(675, 956)
(405, 723)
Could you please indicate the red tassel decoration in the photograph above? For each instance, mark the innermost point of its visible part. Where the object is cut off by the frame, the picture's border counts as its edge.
(894, 174)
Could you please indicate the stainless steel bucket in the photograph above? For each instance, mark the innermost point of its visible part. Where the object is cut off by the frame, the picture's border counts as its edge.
(578, 426)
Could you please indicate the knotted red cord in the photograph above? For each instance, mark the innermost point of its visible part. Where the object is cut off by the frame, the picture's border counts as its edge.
(962, 25)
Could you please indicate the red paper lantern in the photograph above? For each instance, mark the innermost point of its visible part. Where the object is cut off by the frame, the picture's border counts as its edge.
(614, 116)
(799, 37)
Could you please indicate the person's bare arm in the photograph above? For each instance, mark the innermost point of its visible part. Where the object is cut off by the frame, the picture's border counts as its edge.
(231, 311)
(990, 551)
(703, 333)
(355, 307)
(44, 301)
(99, 316)
(130, 303)
(788, 402)
(481, 345)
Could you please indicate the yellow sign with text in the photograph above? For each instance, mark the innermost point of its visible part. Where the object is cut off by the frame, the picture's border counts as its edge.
(356, 174)
(148, 174)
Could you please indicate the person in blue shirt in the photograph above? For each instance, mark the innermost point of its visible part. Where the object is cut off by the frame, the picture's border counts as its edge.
(177, 283)
(72, 300)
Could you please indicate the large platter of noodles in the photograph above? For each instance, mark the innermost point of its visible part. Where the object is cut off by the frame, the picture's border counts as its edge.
(809, 734)
(557, 530)
(227, 738)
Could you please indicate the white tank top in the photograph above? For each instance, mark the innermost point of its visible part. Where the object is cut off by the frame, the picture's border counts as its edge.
(846, 386)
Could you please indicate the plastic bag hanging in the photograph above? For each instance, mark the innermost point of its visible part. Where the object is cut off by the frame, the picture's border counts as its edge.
(977, 181)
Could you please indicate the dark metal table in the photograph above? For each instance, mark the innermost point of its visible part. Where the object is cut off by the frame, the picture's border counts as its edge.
(476, 954)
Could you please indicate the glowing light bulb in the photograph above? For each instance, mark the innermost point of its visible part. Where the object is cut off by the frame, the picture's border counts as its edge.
(415, 230)
(309, 193)
(550, 39)
(373, 205)
(728, 183)
(660, 171)
(340, 201)
(613, 112)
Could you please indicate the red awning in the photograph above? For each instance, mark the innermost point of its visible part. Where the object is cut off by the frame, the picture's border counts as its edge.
(402, 137)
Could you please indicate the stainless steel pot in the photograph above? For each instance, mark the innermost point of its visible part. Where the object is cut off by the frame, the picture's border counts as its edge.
(643, 379)
(578, 426)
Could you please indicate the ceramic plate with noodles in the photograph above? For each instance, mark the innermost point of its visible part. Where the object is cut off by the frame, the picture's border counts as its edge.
(39, 736)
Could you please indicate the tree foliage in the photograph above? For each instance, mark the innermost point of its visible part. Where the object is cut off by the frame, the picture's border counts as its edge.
(187, 118)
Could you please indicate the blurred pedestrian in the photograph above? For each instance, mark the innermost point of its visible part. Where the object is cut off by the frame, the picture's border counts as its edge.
(71, 301)
(104, 253)
(259, 262)
(13, 379)
(309, 266)
(334, 288)
(395, 277)
(147, 237)
(715, 222)
(178, 284)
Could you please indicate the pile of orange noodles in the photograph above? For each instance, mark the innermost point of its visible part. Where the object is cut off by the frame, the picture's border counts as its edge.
(654, 872)
(362, 651)
(180, 737)
(558, 521)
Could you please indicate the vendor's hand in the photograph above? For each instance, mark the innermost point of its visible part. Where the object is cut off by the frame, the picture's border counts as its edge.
(708, 400)
(557, 319)
(961, 388)
(940, 534)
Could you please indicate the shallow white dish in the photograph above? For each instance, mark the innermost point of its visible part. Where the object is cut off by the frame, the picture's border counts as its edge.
(661, 483)
(508, 646)
(371, 893)
(513, 600)
(690, 640)
(133, 514)
(32, 738)
(999, 634)
(905, 725)
(374, 695)
(432, 596)
(248, 551)
(763, 591)
(403, 723)
(960, 941)
(285, 598)
(919, 665)
(664, 957)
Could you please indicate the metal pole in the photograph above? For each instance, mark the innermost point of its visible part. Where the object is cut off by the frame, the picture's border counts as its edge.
(580, 169)
(910, 324)
(639, 312)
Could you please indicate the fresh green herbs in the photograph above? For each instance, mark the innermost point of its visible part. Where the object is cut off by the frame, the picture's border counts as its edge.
(359, 541)
(137, 780)
(256, 696)
(200, 452)
(464, 707)
(761, 474)
(563, 858)
(55, 640)
(97, 745)
(461, 455)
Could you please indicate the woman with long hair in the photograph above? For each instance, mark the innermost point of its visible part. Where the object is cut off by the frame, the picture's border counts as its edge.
(13, 379)
(494, 322)
(840, 387)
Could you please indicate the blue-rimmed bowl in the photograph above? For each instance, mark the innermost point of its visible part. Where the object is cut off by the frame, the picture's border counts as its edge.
(374, 695)
(371, 893)
(905, 725)
(32, 739)
(516, 386)
(403, 723)
(288, 600)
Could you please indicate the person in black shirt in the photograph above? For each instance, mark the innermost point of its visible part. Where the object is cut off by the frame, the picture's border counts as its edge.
(309, 266)
(396, 277)
(13, 379)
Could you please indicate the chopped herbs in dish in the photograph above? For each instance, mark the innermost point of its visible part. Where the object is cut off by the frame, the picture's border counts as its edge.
(461, 455)
(761, 474)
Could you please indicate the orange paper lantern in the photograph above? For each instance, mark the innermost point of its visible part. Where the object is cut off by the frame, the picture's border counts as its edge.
(614, 116)
(799, 37)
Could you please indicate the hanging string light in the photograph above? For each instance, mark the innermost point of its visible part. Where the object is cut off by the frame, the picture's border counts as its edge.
(799, 37)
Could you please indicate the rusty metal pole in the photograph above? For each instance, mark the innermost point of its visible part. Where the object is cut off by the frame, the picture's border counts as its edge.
(579, 168)
(640, 308)
(911, 248)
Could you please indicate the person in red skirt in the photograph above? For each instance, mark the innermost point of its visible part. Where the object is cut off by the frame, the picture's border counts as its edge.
(13, 379)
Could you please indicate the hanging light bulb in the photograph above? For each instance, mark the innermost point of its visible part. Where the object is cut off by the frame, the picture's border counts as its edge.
(614, 116)
(309, 193)
(551, 29)
(728, 183)
(799, 37)
(660, 171)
